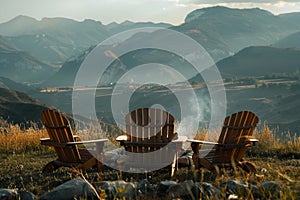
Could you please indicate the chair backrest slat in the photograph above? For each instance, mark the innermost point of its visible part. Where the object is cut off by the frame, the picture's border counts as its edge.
(59, 131)
(147, 127)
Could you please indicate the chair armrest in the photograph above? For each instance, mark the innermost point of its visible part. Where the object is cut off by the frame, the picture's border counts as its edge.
(241, 144)
(203, 142)
(87, 142)
(180, 139)
(49, 142)
(122, 138)
(253, 140)
(44, 139)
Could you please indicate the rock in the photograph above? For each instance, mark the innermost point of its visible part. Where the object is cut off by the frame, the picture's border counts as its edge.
(15, 194)
(163, 186)
(181, 190)
(24, 195)
(109, 189)
(118, 189)
(111, 157)
(127, 191)
(145, 188)
(241, 189)
(73, 189)
(271, 190)
(8, 194)
(205, 190)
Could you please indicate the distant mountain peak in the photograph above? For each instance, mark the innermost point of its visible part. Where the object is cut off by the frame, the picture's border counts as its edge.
(92, 21)
(127, 23)
(18, 26)
(58, 19)
(22, 18)
(217, 10)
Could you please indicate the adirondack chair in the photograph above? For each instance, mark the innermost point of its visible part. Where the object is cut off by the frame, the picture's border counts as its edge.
(151, 130)
(63, 141)
(229, 151)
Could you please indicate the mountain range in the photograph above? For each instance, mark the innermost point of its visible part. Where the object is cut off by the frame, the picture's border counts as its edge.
(224, 31)
(54, 40)
(244, 43)
(50, 42)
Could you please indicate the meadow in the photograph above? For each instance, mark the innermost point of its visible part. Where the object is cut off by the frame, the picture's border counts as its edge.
(22, 159)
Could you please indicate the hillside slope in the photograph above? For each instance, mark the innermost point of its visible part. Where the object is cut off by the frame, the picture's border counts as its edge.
(291, 41)
(18, 107)
(12, 85)
(260, 61)
(20, 66)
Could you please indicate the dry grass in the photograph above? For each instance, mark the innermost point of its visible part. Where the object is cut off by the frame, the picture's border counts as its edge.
(14, 139)
(272, 143)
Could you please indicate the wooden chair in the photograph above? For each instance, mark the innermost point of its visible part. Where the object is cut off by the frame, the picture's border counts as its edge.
(63, 141)
(151, 130)
(229, 151)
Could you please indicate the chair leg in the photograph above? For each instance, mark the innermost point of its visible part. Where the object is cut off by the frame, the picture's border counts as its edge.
(99, 166)
(173, 166)
(248, 166)
(205, 163)
(89, 163)
(50, 167)
(196, 161)
(99, 155)
(195, 157)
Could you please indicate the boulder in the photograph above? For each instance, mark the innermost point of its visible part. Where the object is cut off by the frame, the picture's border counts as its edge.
(109, 188)
(8, 194)
(205, 190)
(163, 186)
(271, 190)
(241, 189)
(182, 190)
(144, 188)
(118, 189)
(24, 195)
(74, 189)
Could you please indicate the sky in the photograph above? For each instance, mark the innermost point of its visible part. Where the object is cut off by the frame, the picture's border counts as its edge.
(107, 11)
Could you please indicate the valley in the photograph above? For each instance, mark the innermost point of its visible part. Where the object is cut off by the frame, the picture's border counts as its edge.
(258, 59)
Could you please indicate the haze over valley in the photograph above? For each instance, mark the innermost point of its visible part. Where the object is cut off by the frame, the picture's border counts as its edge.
(256, 52)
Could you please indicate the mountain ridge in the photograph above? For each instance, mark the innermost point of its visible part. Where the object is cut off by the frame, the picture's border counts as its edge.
(259, 61)
(21, 66)
(18, 107)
